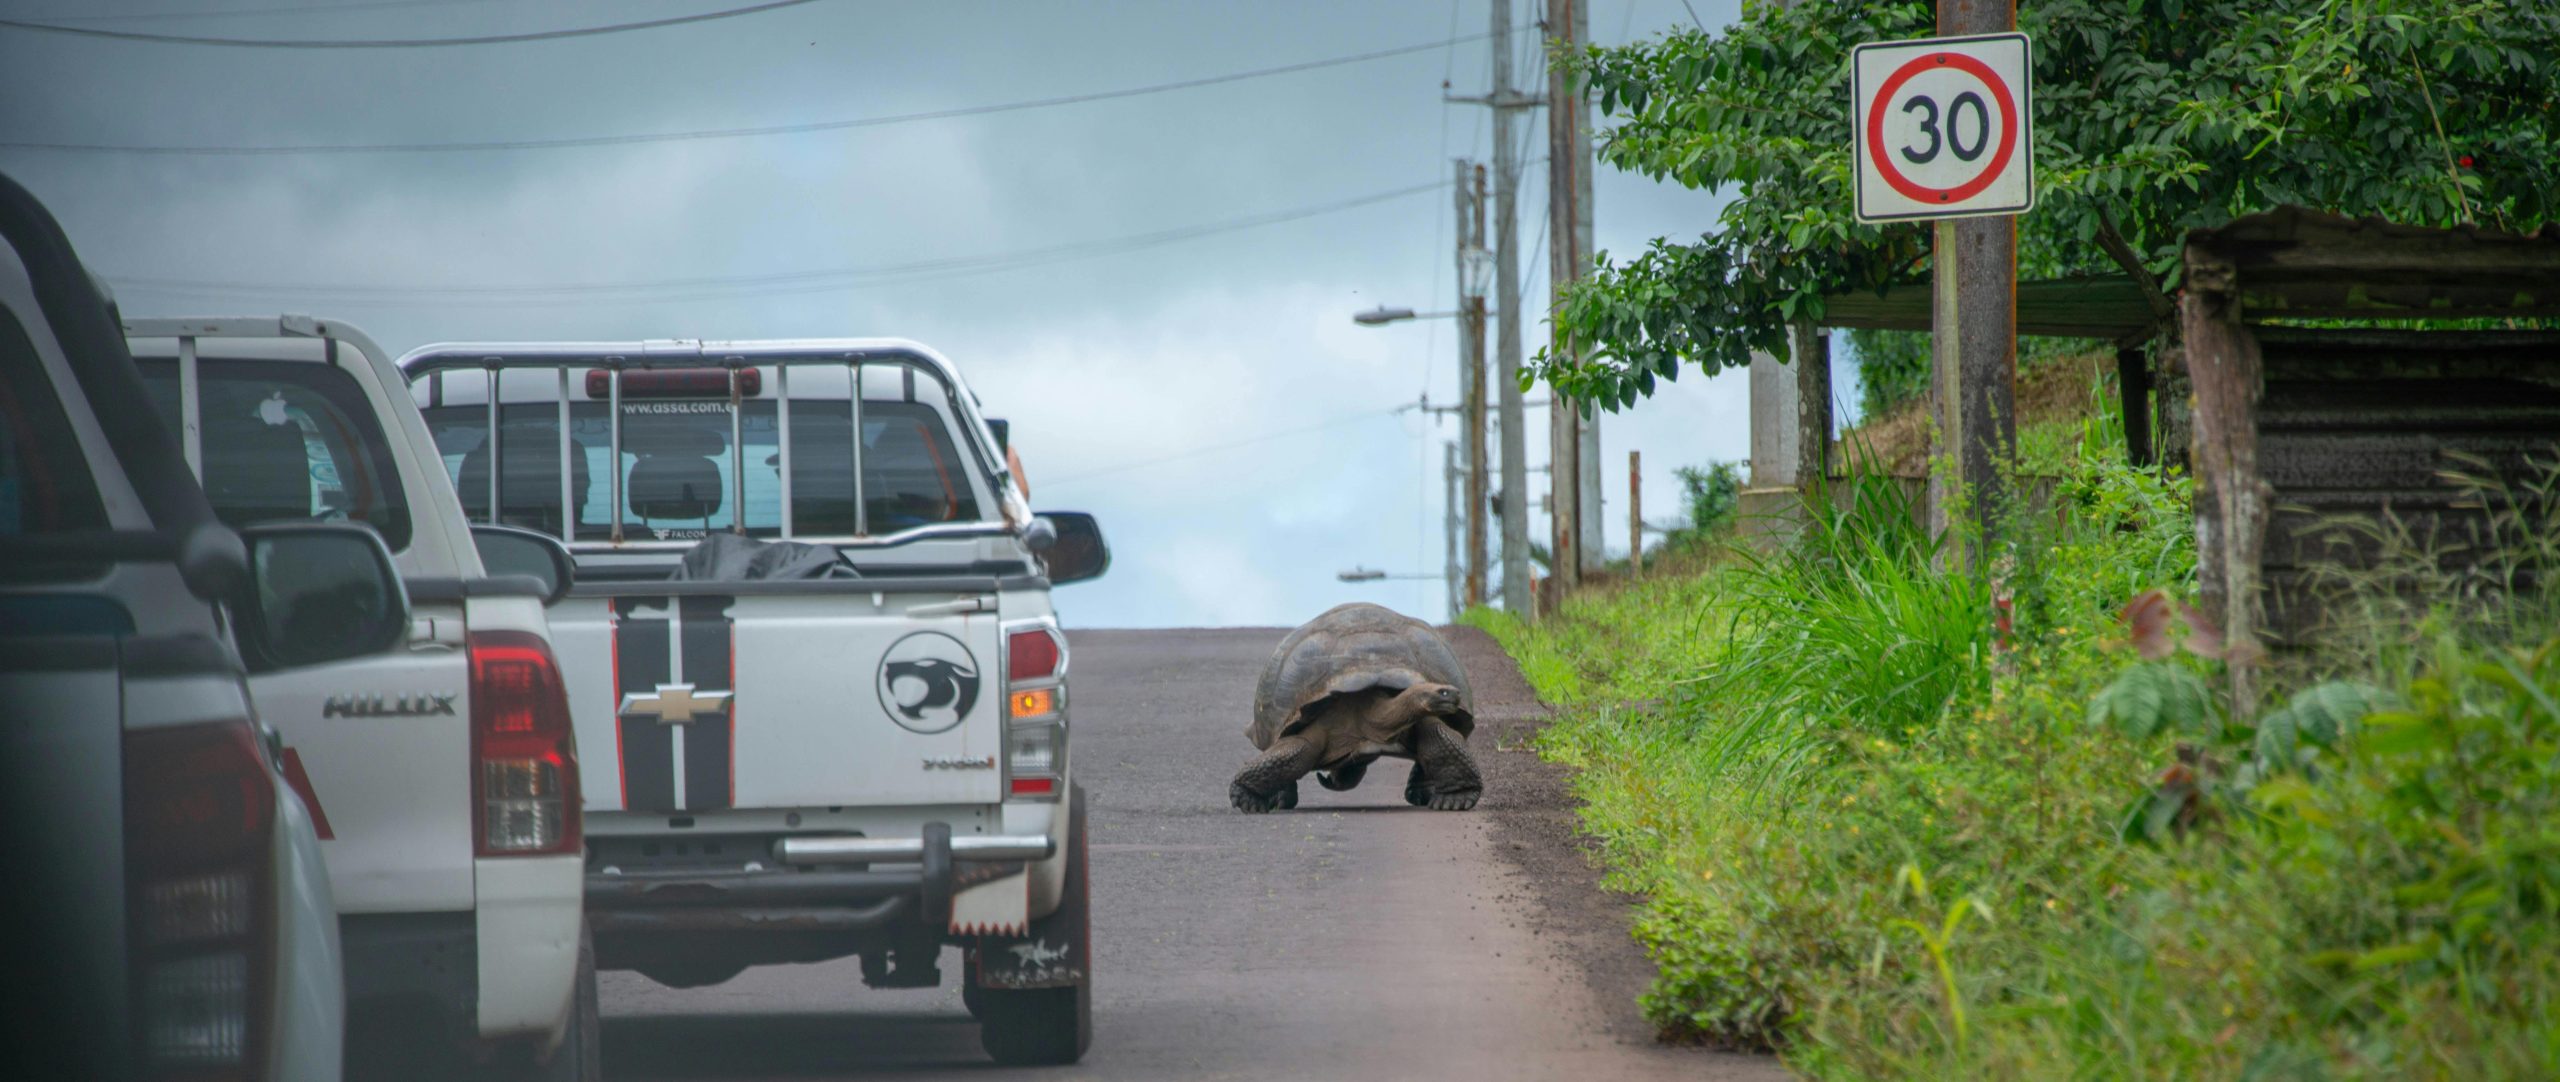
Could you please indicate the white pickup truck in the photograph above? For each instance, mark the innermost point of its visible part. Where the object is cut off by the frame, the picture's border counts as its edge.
(442, 771)
(167, 914)
(811, 649)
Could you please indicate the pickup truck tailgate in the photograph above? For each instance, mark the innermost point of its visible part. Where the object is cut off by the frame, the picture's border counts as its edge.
(706, 696)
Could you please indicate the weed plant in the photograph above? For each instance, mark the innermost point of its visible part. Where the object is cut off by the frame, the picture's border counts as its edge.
(1883, 836)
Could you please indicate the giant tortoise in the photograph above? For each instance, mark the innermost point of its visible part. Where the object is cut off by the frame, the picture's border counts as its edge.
(1352, 685)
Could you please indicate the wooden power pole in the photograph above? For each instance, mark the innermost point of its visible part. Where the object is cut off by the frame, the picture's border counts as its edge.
(1573, 440)
(1507, 104)
(1471, 288)
(1974, 325)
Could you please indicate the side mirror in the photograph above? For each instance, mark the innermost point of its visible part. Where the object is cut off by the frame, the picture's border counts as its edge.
(514, 550)
(1076, 552)
(317, 592)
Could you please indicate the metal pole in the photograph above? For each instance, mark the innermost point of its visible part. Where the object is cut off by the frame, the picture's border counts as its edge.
(1449, 524)
(1635, 511)
(737, 457)
(496, 464)
(782, 438)
(861, 512)
(190, 408)
(1974, 327)
(1471, 199)
(568, 469)
(1506, 237)
(613, 430)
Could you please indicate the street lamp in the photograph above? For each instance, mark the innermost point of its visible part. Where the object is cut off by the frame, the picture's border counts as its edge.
(1382, 315)
(1371, 574)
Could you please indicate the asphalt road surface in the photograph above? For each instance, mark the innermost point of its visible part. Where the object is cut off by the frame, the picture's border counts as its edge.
(1352, 938)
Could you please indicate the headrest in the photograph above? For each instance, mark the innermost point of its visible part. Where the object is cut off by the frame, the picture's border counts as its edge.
(674, 487)
(255, 471)
(530, 491)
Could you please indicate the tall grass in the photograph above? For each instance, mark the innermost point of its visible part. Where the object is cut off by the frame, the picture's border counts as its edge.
(1891, 844)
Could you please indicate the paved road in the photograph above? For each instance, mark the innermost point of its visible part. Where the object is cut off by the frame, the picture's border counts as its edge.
(1354, 938)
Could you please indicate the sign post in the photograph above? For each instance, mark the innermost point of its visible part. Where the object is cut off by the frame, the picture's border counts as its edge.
(1942, 130)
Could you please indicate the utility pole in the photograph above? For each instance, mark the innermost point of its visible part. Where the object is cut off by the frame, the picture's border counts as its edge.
(1635, 512)
(1449, 524)
(1973, 338)
(1507, 104)
(1573, 438)
(1472, 258)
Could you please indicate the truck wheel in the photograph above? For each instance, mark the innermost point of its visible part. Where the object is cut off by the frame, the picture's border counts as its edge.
(1048, 1025)
(973, 997)
(580, 1057)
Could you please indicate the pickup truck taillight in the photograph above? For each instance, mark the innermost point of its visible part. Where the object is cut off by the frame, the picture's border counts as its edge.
(1035, 709)
(199, 851)
(524, 777)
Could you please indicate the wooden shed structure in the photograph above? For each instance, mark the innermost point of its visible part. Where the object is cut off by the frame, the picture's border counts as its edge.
(2320, 402)
(2317, 372)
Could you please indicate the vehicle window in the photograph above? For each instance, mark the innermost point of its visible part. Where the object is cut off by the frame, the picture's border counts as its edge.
(288, 441)
(45, 484)
(677, 467)
(911, 473)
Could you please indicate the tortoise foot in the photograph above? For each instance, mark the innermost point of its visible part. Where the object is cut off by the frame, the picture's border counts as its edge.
(1246, 800)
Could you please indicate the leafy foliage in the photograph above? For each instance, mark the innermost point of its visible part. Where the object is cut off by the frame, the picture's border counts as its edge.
(2153, 117)
(1935, 882)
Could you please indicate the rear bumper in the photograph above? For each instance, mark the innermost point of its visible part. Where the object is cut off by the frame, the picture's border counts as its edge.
(820, 896)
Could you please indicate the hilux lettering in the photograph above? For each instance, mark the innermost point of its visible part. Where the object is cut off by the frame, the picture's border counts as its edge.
(422, 705)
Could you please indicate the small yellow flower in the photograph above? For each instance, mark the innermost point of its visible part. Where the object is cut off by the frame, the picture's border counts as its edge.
(2050, 903)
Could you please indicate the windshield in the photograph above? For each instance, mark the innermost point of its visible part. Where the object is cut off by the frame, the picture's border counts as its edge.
(681, 473)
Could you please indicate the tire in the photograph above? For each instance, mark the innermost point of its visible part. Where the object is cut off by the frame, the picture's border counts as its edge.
(1048, 1026)
(973, 997)
(580, 1057)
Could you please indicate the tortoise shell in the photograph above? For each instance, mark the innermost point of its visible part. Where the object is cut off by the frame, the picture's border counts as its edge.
(1350, 649)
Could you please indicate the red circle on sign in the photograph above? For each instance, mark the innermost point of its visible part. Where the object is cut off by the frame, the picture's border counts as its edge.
(1999, 158)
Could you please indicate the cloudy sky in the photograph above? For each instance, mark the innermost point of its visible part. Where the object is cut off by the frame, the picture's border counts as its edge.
(1140, 377)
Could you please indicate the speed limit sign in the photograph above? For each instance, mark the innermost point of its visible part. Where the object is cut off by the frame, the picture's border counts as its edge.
(1940, 128)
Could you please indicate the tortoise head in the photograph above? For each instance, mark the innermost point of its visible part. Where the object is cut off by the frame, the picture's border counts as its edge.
(1440, 700)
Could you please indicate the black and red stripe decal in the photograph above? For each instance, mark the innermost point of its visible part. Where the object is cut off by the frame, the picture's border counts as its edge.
(655, 647)
(709, 665)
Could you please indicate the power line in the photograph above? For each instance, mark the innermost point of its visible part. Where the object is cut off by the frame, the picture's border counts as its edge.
(734, 133)
(1230, 445)
(397, 43)
(236, 13)
(762, 284)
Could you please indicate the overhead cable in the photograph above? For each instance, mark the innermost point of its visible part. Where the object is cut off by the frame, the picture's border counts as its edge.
(243, 13)
(789, 282)
(222, 150)
(396, 43)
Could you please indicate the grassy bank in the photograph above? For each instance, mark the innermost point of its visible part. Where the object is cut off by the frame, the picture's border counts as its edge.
(1887, 839)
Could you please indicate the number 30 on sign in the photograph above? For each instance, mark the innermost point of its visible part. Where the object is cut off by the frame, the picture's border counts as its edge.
(1941, 128)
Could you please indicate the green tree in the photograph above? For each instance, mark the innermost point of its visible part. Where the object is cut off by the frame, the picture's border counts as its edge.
(2152, 117)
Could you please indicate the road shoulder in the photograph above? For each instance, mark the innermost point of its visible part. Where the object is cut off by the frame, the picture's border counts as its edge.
(1539, 838)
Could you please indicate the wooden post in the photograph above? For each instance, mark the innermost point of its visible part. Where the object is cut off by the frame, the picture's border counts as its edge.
(2233, 500)
(2133, 386)
(1812, 360)
(1974, 330)
(1635, 512)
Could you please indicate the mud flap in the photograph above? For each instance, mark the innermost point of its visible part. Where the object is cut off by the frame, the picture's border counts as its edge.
(1057, 950)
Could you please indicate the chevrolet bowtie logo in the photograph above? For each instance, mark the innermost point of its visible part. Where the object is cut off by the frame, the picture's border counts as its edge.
(675, 704)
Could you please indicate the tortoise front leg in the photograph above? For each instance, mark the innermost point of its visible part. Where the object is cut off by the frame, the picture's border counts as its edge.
(1444, 775)
(1271, 781)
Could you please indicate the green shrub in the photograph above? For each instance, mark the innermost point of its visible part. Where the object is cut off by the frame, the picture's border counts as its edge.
(1885, 839)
